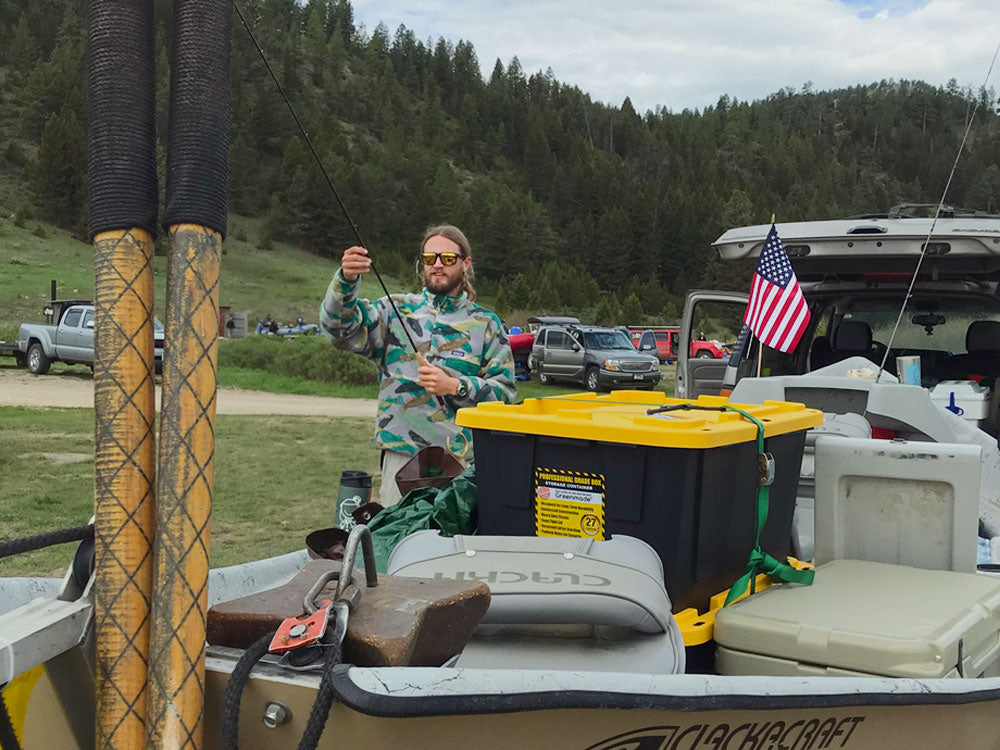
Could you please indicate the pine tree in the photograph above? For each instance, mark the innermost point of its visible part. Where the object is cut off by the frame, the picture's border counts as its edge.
(60, 171)
(22, 52)
(631, 312)
(608, 313)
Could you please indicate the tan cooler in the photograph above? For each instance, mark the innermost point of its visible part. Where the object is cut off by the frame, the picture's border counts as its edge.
(866, 619)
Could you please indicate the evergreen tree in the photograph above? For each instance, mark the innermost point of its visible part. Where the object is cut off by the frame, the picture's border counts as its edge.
(59, 183)
(632, 312)
(608, 312)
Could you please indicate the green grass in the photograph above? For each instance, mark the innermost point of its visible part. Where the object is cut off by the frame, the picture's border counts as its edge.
(261, 380)
(286, 281)
(276, 480)
(533, 389)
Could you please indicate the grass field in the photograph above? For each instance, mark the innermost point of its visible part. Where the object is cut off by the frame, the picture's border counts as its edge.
(276, 480)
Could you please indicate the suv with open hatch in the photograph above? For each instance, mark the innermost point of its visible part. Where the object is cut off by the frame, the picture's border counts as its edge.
(855, 274)
(596, 357)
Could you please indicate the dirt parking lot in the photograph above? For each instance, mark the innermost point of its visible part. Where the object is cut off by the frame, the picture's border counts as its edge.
(20, 388)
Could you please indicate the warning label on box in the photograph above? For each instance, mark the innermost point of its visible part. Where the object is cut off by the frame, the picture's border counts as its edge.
(569, 503)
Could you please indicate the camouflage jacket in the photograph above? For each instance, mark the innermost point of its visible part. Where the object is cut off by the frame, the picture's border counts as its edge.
(461, 337)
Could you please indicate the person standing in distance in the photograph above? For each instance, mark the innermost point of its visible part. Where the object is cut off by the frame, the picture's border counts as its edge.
(464, 354)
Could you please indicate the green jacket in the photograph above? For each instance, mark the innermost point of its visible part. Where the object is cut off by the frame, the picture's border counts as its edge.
(453, 333)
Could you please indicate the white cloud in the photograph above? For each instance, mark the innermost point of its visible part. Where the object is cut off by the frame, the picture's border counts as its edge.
(687, 54)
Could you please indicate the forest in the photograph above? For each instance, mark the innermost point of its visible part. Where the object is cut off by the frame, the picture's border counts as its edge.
(563, 197)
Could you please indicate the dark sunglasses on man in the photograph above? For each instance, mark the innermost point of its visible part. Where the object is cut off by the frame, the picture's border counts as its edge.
(447, 259)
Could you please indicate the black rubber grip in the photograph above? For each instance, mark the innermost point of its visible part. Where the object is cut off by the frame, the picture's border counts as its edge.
(10, 547)
(121, 141)
(198, 130)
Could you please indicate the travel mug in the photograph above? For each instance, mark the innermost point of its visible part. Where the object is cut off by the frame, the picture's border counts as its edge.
(355, 490)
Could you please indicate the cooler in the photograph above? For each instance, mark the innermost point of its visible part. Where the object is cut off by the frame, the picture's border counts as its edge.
(685, 482)
(966, 398)
(803, 522)
(865, 619)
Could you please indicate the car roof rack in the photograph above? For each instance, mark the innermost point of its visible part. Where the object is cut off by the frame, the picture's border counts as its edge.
(926, 211)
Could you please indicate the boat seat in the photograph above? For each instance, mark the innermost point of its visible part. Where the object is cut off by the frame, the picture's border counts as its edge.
(982, 357)
(557, 603)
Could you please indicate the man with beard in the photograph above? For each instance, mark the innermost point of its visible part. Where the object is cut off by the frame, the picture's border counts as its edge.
(463, 359)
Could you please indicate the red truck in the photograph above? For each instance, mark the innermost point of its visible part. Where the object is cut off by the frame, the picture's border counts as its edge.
(664, 341)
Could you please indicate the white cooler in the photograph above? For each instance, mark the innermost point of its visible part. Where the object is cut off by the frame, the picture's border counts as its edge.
(865, 619)
(803, 524)
(971, 399)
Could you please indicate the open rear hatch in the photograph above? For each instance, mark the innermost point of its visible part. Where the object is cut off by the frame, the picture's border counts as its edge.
(961, 247)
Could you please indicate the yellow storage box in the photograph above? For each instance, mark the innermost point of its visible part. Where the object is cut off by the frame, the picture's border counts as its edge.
(684, 479)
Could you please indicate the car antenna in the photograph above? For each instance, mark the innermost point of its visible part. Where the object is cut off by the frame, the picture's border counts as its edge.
(937, 212)
(329, 182)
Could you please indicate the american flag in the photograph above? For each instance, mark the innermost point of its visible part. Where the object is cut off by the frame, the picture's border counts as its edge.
(777, 312)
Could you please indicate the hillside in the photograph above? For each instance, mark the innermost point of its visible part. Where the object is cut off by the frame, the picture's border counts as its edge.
(285, 281)
(562, 197)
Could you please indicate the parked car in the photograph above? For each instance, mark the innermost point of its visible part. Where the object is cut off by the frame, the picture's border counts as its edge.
(662, 341)
(289, 330)
(71, 338)
(596, 357)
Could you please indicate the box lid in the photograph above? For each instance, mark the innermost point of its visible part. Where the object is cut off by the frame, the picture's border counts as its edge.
(621, 417)
(891, 620)
(968, 389)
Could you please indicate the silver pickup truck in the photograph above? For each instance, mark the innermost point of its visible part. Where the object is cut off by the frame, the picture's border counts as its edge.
(70, 340)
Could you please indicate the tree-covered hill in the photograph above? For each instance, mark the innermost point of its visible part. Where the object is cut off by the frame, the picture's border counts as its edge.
(560, 195)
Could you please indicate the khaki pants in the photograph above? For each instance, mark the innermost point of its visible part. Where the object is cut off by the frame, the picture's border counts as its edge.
(392, 462)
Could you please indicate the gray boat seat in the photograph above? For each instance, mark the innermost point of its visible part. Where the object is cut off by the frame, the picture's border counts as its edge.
(557, 603)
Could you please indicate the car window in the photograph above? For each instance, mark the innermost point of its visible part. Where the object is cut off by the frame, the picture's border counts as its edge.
(662, 335)
(557, 340)
(647, 339)
(929, 323)
(607, 340)
(88, 318)
(72, 319)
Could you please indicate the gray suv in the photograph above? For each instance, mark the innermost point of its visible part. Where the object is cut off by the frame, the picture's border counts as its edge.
(598, 358)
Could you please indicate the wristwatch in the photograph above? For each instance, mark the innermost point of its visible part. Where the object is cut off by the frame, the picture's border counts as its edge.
(463, 389)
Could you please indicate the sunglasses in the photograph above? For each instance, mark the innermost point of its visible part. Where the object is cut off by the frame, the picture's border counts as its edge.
(447, 259)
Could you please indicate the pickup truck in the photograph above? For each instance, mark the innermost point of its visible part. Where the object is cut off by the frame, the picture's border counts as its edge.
(662, 342)
(71, 339)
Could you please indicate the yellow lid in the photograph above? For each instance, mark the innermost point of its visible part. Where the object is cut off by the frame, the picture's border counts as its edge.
(620, 417)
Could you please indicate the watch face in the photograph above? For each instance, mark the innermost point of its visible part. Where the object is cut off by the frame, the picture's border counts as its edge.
(463, 390)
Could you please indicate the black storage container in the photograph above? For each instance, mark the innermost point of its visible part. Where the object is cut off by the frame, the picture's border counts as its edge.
(685, 482)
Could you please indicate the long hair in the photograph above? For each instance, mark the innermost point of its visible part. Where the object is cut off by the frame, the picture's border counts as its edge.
(456, 235)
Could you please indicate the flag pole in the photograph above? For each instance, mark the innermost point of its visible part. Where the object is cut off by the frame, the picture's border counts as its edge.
(760, 344)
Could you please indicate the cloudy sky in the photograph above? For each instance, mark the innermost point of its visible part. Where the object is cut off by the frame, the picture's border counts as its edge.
(686, 54)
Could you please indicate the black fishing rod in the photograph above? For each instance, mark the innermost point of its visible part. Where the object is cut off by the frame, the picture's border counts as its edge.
(329, 182)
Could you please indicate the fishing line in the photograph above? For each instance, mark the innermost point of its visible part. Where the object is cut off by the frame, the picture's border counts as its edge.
(329, 182)
(937, 213)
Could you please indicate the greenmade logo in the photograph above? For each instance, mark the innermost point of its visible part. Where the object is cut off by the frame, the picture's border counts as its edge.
(817, 733)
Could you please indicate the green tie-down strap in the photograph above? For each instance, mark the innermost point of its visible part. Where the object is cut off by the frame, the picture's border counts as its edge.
(760, 561)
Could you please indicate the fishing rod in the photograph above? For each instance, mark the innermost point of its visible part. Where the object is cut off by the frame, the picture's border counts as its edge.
(333, 189)
(937, 213)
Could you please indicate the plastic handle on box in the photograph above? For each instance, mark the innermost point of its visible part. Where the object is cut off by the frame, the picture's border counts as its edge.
(951, 405)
